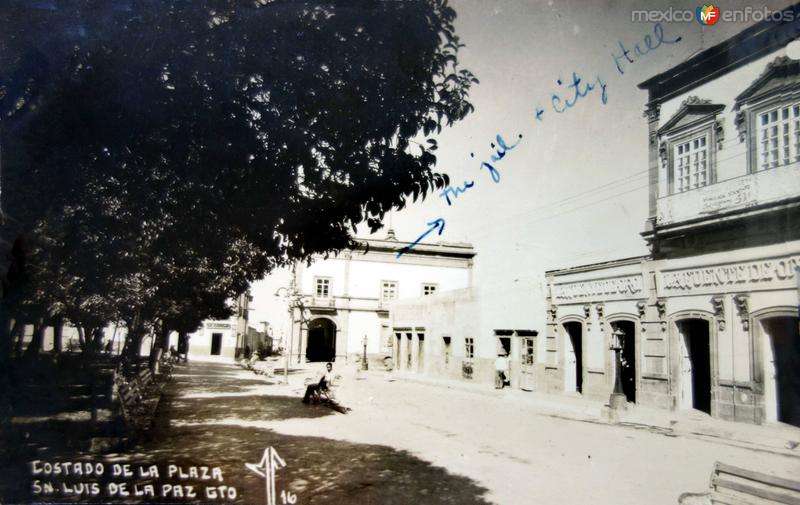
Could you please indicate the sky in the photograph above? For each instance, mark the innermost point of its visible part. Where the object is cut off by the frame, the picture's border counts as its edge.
(573, 191)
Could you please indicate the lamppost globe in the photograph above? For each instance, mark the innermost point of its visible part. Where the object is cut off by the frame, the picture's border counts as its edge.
(618, 340)
(618, 400)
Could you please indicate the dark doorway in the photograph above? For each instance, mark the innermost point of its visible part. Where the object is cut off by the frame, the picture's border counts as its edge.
(396, 358)
(695, 364)
(321, 340)
(216, 344)
(409, 341)
(784, 340)
(628, 359)
(573, 357)
(504, 345)
(421, 352)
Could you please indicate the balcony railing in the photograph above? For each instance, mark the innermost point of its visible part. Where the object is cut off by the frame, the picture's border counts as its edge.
(763, 187)
(323, 302)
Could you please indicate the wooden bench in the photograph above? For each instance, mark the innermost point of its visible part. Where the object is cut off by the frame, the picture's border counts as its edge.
(147, 382)
(166, 365)
(252, 365)
(137, 398)
(737, 486)
(248, 364)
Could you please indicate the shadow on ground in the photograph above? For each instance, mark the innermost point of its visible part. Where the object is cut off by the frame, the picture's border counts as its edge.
(246, 408)
(318, 470)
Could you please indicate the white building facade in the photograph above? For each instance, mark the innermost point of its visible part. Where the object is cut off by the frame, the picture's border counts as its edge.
(710, 317)
(345, 299)
(223, 338)
(441, 336)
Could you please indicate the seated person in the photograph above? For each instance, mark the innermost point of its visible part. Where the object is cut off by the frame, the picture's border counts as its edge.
(322, 385)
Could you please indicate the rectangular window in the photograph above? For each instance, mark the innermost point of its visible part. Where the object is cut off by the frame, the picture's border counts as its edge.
(429, 289)
(690, 164)
(469, 347)
(322, 287)
(528, 354)
(778, 137)
(388, 291)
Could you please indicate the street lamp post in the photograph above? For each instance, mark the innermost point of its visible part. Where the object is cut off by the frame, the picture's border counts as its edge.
(618, 401)
(288, 350)
(364, 364)
(305, 315)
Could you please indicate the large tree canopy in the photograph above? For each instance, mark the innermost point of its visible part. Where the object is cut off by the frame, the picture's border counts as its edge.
(169, 151)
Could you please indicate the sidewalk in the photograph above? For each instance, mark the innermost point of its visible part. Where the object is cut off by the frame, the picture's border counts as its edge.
(773, 438)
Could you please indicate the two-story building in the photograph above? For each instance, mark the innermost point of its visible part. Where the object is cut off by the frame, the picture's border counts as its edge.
(344, 300)
(710, 317)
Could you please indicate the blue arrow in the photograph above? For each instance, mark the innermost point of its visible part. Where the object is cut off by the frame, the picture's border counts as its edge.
(438, 223)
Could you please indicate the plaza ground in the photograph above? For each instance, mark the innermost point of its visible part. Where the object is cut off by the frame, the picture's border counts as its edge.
(407, 441)
(412, 442)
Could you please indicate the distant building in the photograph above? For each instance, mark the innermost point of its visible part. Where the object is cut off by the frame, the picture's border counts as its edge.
(223, 338)
(346, 298)
(710, 317)
(258, 341)
(439, 336)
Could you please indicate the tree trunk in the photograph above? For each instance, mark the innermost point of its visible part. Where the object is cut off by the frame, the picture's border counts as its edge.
(58, 335)
(133, 344)
(162, 343)
(7, 328)
(165, 339)
(183, 345)
(36, 340)
(82, 337)
(97, 339)
(18, 335)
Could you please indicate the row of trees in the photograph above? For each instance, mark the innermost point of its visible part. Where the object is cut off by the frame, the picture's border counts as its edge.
(159, 155)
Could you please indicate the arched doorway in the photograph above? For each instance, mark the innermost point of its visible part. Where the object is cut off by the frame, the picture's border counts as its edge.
(781, 346)
(694, 341)
(321, 344)
(628, 358)
(573, 357)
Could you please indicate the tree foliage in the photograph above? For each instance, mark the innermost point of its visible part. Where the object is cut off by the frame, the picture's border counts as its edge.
(164, 153)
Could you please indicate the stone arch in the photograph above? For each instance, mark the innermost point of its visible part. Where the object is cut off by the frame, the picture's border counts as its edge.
(776, 363)
(694, 363)
(631, 351)
(321, 339)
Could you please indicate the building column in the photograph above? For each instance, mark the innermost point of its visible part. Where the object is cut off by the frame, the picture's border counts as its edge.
(342, 332)
(404, 346)
(652, 114)
(415, 351)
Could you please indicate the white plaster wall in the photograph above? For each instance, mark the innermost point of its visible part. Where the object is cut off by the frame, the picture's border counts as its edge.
(200, 341)
(366, 278)
(332, 267)
(594, 355)
(455, 314)
(363, 323)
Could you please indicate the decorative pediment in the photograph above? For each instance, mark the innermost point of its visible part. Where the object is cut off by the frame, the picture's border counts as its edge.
(780, 78)
(782, 75)
(691, 111)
